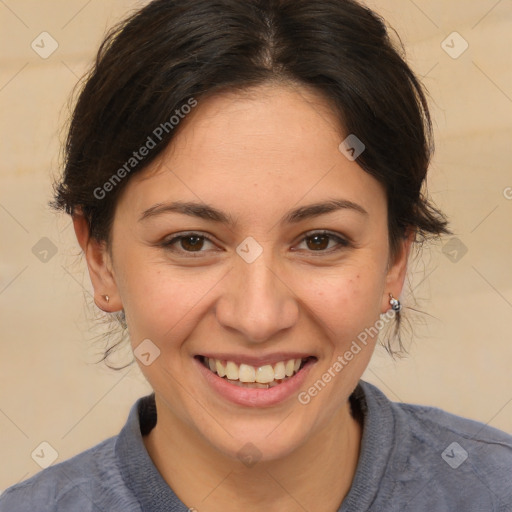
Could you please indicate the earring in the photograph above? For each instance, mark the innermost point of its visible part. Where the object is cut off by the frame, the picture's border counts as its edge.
(395, 303)
(107, 298)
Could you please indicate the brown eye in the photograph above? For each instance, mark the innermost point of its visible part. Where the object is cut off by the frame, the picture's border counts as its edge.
(192, 243)
(319, 242)
(187, 243)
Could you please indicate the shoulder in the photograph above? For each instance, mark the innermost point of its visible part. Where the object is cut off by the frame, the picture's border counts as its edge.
(449, 459)
(85, 482)
(487, 446)
(468, 461)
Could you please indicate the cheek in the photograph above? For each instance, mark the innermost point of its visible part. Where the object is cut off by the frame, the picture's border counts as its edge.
(162, 302)
(346, 302)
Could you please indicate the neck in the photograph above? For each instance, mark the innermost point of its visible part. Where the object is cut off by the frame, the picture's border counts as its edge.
(316, 476)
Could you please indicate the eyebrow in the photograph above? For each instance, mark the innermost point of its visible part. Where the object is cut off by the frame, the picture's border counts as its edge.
(207, 212)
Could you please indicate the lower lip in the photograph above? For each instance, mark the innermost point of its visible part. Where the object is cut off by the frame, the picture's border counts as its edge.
(255, 397)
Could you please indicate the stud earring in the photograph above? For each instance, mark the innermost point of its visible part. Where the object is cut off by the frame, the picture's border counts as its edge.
(107, 298)
(395, 303)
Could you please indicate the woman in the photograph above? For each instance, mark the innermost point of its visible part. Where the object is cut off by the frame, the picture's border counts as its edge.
(245, 180)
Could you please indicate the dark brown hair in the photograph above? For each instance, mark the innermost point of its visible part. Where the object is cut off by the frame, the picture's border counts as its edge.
(170, 52)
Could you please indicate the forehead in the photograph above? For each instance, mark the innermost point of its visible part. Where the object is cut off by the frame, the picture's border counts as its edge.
(270, 122)
(271, 144)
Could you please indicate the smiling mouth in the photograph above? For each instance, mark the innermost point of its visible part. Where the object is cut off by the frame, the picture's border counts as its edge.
(245, 375)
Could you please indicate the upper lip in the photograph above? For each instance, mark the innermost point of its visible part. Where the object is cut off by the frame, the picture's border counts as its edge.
(257, 361)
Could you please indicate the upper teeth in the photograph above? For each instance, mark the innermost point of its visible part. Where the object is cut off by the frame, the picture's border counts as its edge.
(247, 373)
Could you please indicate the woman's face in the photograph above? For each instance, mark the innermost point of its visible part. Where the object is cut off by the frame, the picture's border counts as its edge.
(260, 289)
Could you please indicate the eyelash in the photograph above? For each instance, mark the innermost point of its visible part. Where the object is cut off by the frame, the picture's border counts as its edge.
(168, 244)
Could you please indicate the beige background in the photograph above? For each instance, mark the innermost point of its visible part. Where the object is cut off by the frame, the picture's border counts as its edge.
(50, 388)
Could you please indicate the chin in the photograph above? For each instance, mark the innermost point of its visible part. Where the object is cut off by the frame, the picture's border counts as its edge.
(253, 447)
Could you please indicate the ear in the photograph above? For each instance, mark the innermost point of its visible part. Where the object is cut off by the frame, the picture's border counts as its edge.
(100, 267)
(397, 270)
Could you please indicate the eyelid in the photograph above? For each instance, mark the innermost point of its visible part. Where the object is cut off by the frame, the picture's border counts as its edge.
(341, 240)
(168, 243)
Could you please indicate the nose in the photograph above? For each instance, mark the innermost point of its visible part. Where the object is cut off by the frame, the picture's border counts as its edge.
(257, 301)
